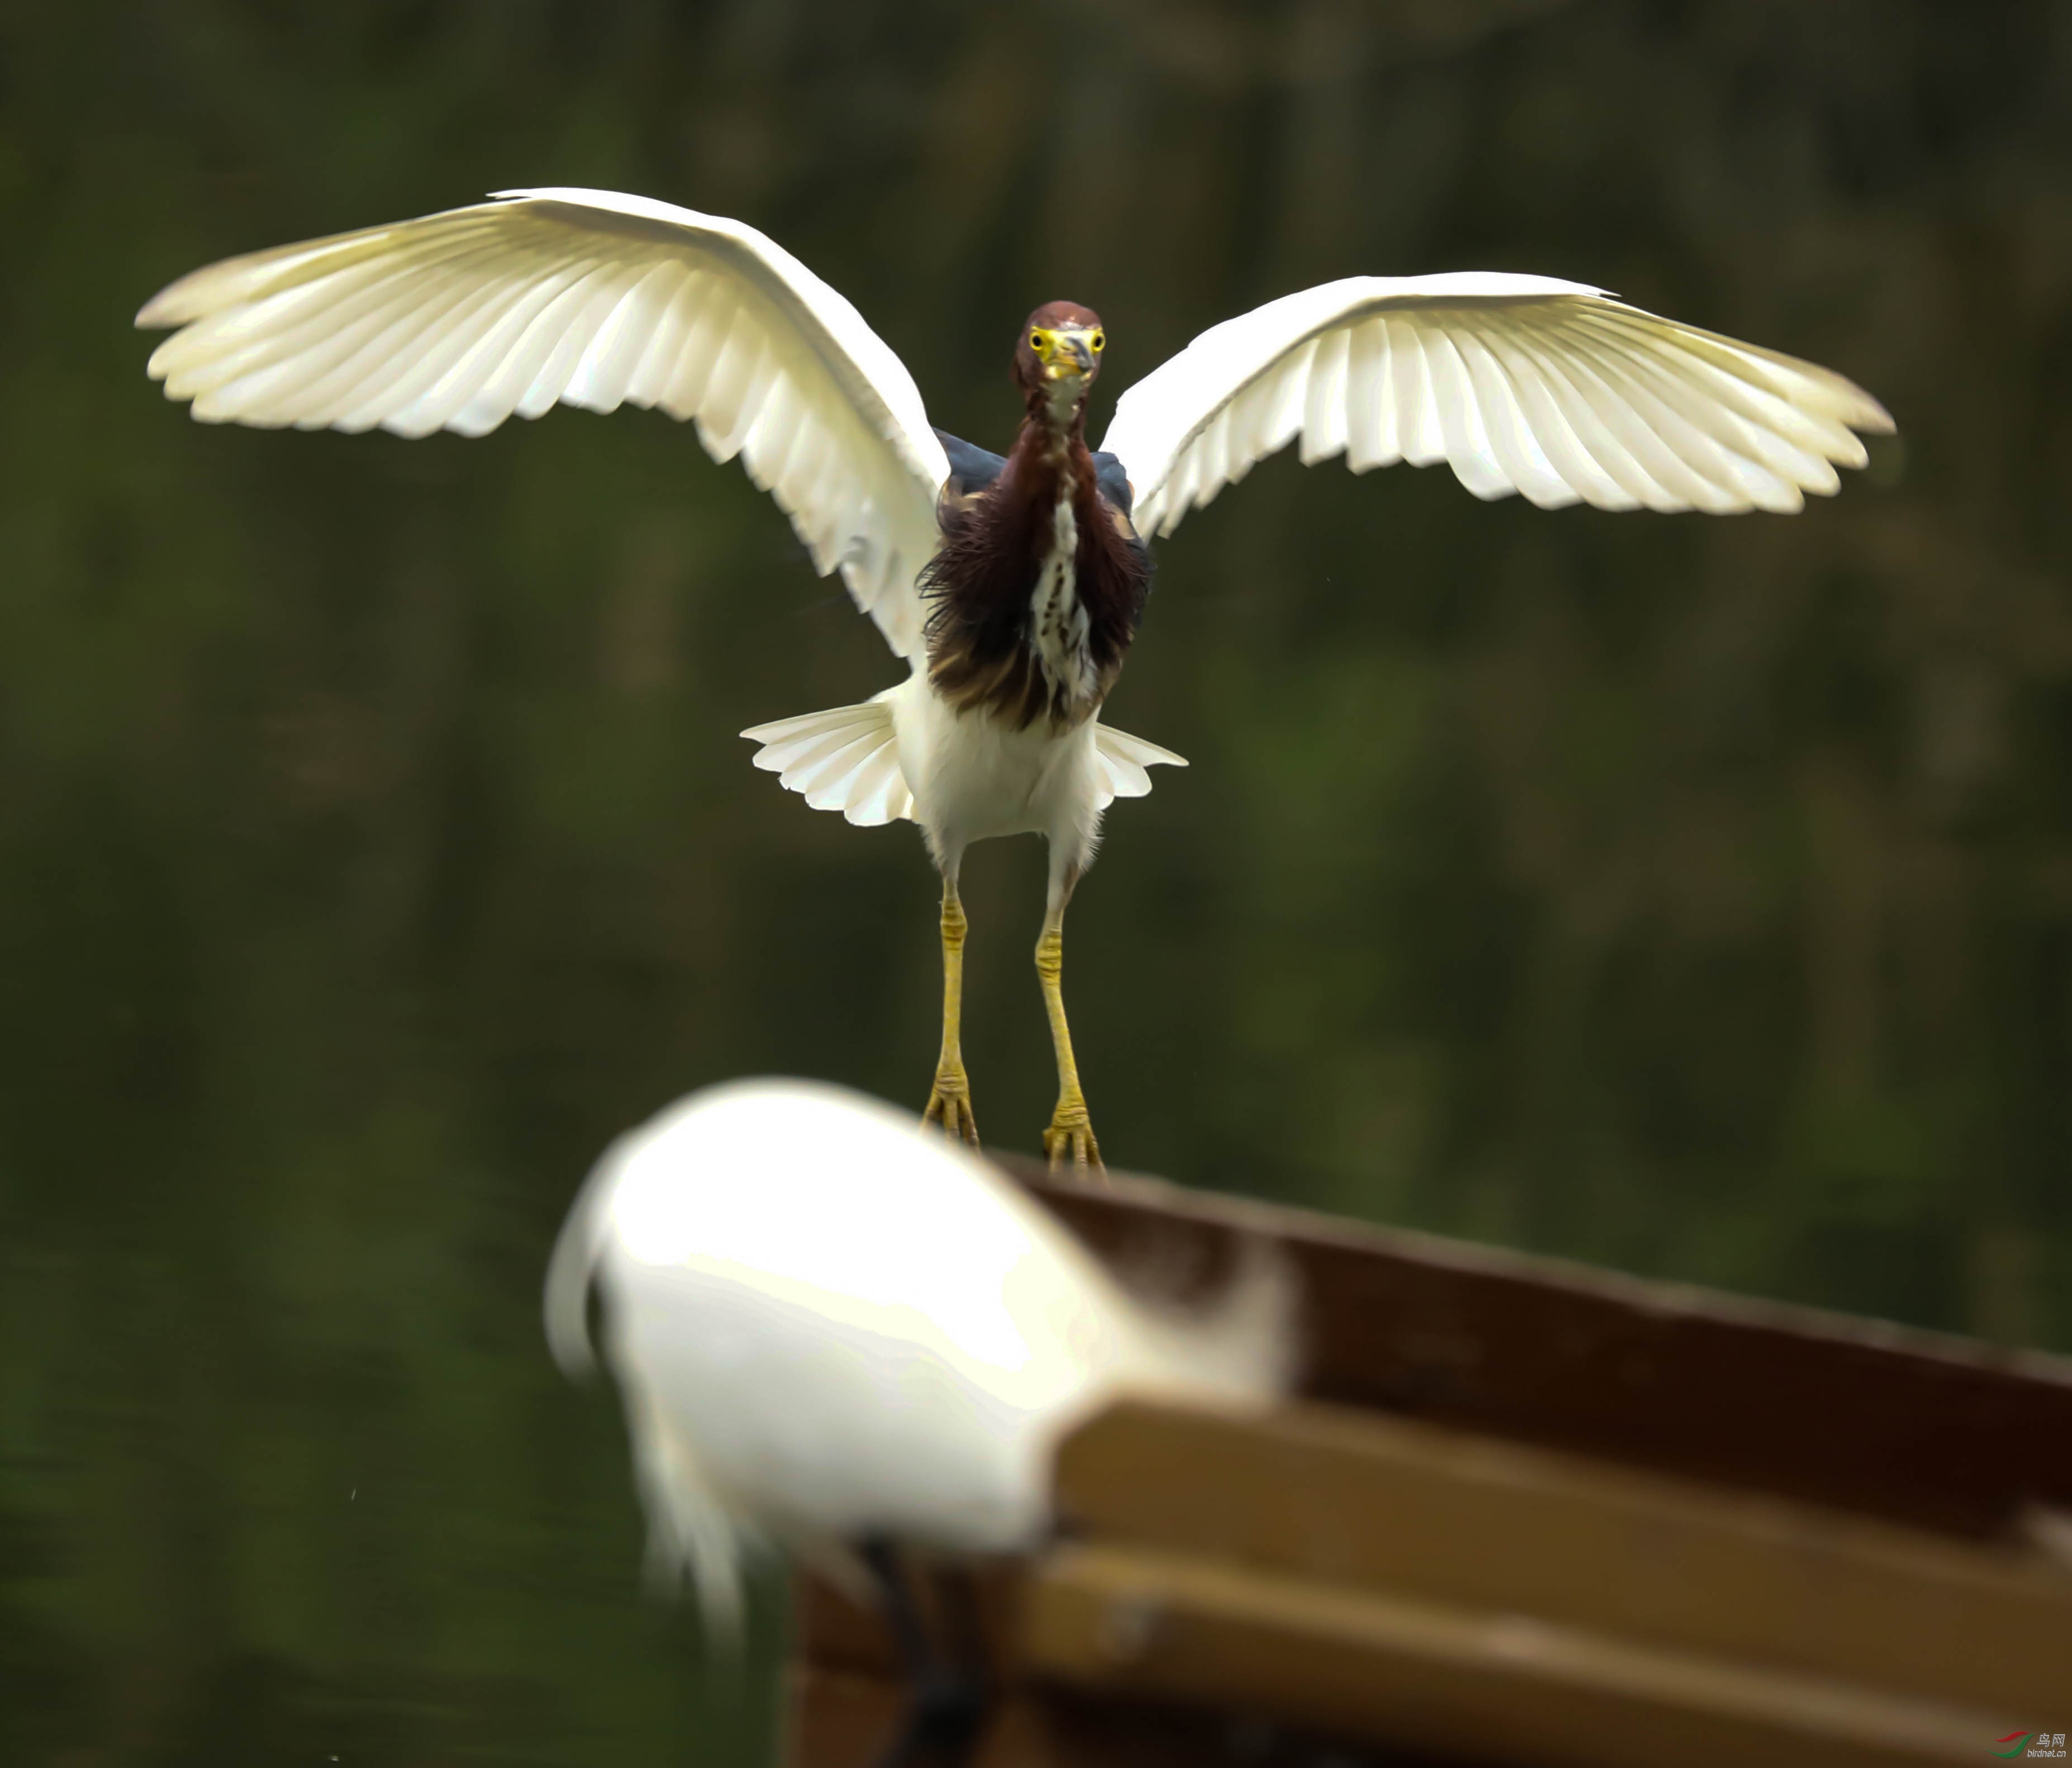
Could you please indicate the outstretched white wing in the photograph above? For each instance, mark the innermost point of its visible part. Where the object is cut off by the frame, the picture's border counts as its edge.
(1517, 383)
(587, 298)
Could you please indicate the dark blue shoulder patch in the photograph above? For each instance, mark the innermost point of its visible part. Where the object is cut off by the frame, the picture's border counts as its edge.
(1111, 481)
(972, 467)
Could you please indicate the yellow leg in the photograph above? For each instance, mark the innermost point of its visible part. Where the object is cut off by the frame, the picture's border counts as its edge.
(1072, 1130)
(949, 1103)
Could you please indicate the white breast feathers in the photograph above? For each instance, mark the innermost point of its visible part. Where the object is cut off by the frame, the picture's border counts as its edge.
(1057, 622)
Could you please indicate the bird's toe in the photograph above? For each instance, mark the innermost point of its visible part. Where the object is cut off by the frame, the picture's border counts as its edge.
(949, 1110)
(1070, 1138)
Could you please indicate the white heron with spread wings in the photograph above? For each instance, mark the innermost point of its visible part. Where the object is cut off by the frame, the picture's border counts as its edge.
(1010, 585)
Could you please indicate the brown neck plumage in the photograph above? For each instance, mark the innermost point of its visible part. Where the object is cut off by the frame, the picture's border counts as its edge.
(1045, 451)
(983, 652)
(1056, 429)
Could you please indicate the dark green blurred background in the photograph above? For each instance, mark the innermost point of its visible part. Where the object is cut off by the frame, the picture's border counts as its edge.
(1693, 896)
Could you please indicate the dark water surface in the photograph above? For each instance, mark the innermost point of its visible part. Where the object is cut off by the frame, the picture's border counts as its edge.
(1691, 896)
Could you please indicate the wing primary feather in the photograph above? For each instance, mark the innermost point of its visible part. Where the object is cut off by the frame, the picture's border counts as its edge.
(252, 276)
(550, 341)
(423, 293)
(538, 321)
(734, 362)
(446, 372)
(1468, 450)
(1803, 386)
(463, 399)
(400, 395)
(1566, 382)
(1789, 434)
(762, 383)
(1192, 484)
(807, 492)
(379, 313)
(1418, 431)
(410, 363)
(1570, 459)
(1166, 504)
(1324, 400)
(380, 355)
(1251, 414)
(1762, 468)
(1685, 460)
(1748, 388)
(1389, 414)
(767, 450)
(451, 372)
(1602, 424)
(703, 346)
(201, 376)
(1516, 451)
(1366, 397)
(1282, 418)
(588, 305)
(623, 340)
(650, 376)
(333, 295)
(212, 350)
(1215, 459)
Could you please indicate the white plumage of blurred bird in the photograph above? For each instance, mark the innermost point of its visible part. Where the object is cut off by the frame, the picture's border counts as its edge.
(831, 1327)
(1012, 587)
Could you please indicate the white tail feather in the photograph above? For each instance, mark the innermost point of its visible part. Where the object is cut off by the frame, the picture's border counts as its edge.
(1123, 760)
(867, 787)
(866, 784)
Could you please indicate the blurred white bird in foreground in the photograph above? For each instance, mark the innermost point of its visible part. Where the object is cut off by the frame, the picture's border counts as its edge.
(835, 1331)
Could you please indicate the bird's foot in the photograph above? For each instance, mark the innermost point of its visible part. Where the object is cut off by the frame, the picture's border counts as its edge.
(1070, 1137)
(950, 1106)
(945, 1712)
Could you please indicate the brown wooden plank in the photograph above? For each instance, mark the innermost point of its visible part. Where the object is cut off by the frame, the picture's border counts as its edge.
(1936, 1431)
(1378, 1577)
(845, 1718)
(828, 1627)
(1086, 1729)
(842, 1699)
(841, 1719)
(1335, 1497)
(1405, 1670)
(836, 1718)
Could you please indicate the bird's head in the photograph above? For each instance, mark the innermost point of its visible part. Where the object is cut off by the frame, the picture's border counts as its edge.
(1059, 354)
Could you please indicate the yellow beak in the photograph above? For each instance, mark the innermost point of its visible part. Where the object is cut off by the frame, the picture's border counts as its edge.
(1067, 355)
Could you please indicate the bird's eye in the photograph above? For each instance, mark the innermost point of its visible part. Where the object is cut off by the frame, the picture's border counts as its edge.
(1035, 341)
(1099, 340)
